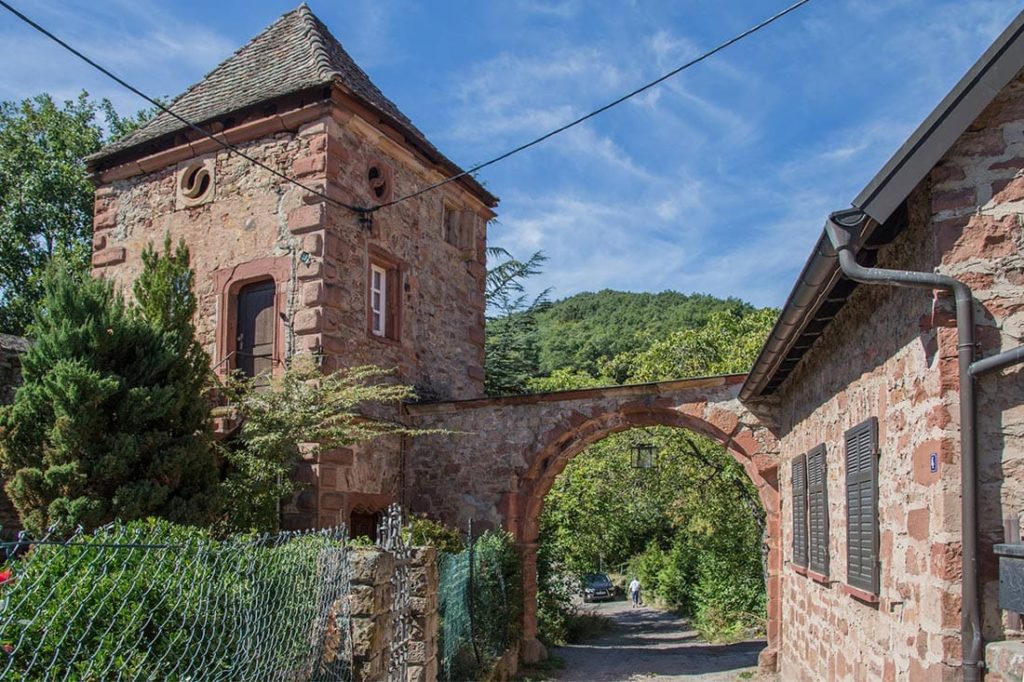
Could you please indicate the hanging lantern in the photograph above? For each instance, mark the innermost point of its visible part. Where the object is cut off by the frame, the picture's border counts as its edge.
(642, 456)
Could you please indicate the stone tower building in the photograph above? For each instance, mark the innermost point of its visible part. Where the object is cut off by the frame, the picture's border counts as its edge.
(281, 269)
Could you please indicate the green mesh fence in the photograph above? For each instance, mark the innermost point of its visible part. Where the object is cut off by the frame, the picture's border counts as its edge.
(480, 602)
(153, 601)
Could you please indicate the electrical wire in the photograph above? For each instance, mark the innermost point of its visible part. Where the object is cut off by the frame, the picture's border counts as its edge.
(366, 211)
(614, 103)
(226, 145)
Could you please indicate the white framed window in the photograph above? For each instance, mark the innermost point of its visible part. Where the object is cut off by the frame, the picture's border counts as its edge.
(378, 300)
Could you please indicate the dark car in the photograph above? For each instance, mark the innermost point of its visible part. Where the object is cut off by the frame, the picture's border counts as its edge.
(597, 586)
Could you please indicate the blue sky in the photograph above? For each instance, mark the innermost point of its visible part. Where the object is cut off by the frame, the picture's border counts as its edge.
(717, 182)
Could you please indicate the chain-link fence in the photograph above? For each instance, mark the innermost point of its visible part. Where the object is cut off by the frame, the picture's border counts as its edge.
(154, 601)
(480, 602)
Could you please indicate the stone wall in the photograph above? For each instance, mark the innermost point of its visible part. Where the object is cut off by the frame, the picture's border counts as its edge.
(503, 455)
(891, 353)
(251, 225)
(424, 580)
(372, 624)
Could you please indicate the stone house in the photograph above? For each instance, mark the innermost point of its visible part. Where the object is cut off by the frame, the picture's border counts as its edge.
(869, 390)
(282, 269)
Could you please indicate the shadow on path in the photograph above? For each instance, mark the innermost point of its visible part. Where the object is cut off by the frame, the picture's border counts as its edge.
(649, 644)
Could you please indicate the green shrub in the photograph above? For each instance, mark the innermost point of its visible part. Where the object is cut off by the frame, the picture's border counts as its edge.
(427, 532)
(155, 601)
(92, 610)
(646, 567)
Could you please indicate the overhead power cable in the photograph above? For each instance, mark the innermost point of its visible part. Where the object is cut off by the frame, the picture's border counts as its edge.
(614, 103)
(224, 144)
(365, 211)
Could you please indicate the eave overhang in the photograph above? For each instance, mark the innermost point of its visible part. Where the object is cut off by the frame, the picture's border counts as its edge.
(820, 291)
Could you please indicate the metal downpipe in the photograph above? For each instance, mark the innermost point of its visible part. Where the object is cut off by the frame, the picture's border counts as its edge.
(842, 228)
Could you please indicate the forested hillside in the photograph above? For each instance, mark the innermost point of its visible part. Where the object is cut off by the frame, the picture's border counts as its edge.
(584, 331)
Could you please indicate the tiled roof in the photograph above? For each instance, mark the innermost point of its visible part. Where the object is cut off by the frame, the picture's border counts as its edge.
(295, 53)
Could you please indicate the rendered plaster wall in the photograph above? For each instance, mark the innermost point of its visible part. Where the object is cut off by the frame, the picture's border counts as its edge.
(891, 353)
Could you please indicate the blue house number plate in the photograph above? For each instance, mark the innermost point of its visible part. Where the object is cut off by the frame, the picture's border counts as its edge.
(933, 462)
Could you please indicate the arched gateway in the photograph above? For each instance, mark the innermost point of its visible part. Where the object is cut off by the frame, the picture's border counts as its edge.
(505, 453)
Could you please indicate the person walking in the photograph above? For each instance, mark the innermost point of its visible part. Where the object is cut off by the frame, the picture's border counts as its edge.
(634, 592)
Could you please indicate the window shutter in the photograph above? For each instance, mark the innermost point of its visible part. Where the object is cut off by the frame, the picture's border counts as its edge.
(862, 506)
(394, 290)
(817, 510)
(800, 511)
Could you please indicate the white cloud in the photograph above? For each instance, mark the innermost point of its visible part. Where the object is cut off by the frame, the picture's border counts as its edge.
(136, 40)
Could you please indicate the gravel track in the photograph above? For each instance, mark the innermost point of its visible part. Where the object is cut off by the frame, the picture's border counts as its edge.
(650, 644)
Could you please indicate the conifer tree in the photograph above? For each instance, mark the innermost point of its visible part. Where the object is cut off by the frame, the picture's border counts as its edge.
(111, 422)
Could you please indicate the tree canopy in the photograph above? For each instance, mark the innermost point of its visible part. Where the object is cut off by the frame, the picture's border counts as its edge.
(46, 198)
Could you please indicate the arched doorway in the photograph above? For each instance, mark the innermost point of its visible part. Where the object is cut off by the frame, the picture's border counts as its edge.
(753, 447)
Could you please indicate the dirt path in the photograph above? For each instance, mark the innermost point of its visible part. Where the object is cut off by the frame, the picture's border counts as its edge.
(648, 644)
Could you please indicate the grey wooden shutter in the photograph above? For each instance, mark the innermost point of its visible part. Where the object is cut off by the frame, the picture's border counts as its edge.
(862, 506)
(817, 510)
(800, 511)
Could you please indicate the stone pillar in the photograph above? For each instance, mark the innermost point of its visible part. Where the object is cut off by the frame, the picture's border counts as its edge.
(532, 650)
(423, 638)
(767, 660)
(370, 606)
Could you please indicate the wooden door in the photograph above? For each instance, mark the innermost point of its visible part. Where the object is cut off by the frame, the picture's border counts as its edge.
(255, 349)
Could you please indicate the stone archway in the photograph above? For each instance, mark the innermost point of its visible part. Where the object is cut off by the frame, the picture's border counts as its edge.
(563, 447)
(513, 448)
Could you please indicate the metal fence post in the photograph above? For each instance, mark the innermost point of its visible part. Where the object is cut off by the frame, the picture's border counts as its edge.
(472, 595)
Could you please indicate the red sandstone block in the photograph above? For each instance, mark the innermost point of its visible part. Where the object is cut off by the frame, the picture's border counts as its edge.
(951, 605)
(1011, 189)
(725, 421)
(339, 456)
(947, 172)
(990, 237)
(308, 165)
(1016, 163)
(308, 320)
(918, 522)
(1003, 111)
(306, 218)
(312, 270)
(951, 200)
(986, 142)
(923, 473)
(945, 560)
(99, 242)
(111, 256)
(313, 129)
(318, 144)
(312, 293)
(105, 219)
(313, 244)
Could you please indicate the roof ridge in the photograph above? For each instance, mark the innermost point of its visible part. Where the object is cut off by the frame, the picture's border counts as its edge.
(318, 43)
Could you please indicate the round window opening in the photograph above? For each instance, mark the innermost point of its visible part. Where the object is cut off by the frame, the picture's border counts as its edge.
(195, 181)
(378, 181)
